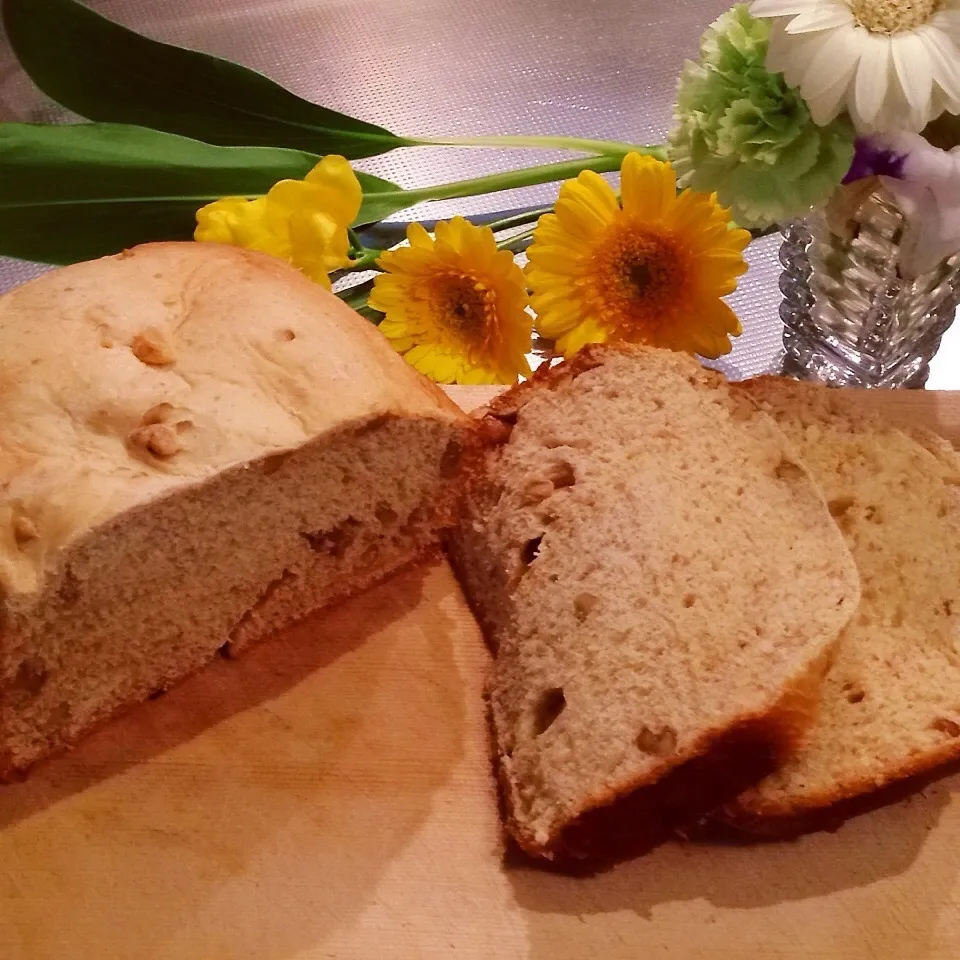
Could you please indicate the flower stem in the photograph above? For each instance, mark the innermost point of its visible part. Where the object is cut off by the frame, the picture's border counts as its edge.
(524, 177)
(519, 219)
(366, 260)
(612, 148)
(364, 257)
(516, 243)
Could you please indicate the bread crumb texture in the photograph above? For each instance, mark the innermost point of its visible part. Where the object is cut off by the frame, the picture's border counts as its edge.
(891, 700)
(654, 567)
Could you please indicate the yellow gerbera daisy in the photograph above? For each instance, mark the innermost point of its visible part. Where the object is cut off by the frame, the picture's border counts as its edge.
(456, 306)
(301, 221)
(650, 270)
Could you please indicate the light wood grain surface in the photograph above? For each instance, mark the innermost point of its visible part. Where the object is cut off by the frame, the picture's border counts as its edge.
(330, 796)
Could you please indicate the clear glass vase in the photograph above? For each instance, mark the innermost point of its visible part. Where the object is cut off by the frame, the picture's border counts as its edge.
(850, 318)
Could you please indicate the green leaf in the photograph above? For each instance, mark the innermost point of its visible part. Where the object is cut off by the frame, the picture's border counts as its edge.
(70, 193)
(104, 71)
(380, 202)
(384, 199)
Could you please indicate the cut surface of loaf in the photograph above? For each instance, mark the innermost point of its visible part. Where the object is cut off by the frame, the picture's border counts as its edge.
(197, 446)
(891, 700)
(656, 574)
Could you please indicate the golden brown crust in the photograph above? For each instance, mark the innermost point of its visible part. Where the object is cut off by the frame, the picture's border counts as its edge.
(768, 818)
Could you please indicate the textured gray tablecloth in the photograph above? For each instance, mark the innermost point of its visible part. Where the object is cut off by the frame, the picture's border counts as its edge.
(592, 68)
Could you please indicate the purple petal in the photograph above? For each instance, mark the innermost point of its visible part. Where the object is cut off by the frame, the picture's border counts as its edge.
(874, 159)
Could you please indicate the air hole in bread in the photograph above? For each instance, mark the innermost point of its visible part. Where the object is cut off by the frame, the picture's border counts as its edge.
(945, 725)
(584, 604)
(335, 541)
(947, 607)
(31, 676)
(839, 506)
(548, 708)
(789, 471)
(157, 694)
(508, 417)
(558, 475)
(418, 516)
(536, 492)
(59, 717)
(872, 514)
(689, 600)
(385, 514)
(561, 474)
(69, 591)
(661, 743)
(286, 335)
(531, 550)
(270, 465)
(856, 696)
(450, 461)
(24, 530)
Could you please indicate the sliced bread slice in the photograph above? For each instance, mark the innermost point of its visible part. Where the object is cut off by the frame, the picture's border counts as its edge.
(657, 575)
(891, 700)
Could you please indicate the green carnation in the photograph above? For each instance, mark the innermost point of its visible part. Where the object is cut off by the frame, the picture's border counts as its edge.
(745, 135)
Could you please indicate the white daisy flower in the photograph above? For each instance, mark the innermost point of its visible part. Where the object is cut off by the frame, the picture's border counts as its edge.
(893, 64)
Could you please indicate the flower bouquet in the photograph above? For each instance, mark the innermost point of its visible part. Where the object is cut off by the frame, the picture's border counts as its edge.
(830, 119)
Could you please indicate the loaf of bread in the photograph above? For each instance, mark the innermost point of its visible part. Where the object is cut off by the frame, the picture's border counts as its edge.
(891, 700)
(197, 447)
(657, 575)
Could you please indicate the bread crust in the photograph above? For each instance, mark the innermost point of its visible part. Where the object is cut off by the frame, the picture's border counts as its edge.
(828, 809)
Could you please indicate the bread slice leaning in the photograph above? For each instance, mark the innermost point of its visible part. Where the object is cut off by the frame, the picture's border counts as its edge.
(197, 446)
(891, 700)
(657, 575)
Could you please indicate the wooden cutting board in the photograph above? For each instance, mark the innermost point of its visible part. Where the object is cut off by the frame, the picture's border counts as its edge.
(329, 796)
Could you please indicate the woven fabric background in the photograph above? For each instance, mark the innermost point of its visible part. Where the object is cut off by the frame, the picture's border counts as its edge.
(592, 68)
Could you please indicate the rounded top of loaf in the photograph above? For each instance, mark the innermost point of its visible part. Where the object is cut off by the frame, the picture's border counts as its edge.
(125, 378)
